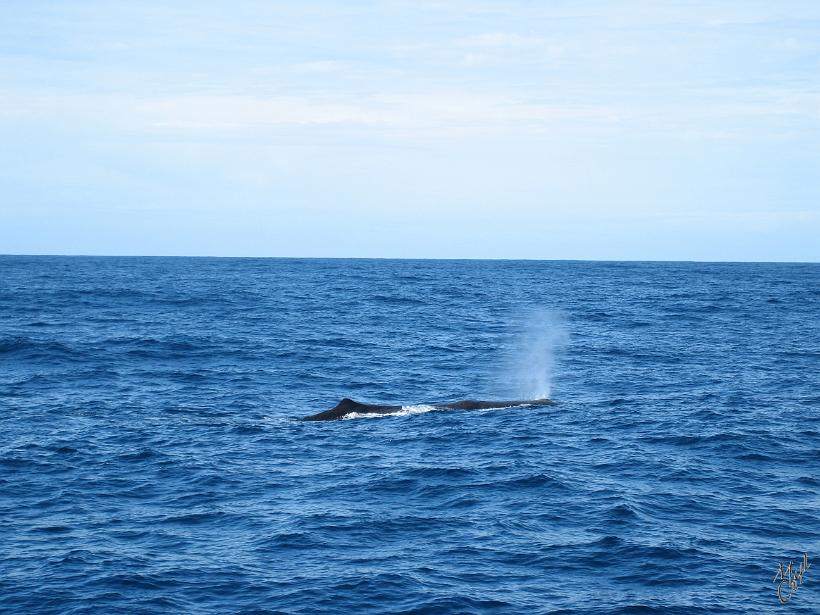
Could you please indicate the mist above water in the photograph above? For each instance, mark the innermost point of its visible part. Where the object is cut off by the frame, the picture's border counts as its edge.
(533, 355)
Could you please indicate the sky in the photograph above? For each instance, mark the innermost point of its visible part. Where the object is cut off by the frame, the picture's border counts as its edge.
(554, 129)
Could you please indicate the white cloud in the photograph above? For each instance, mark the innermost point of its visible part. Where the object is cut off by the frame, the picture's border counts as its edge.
(320, 66)
(425, 114)
(502, 39)
(439, 112)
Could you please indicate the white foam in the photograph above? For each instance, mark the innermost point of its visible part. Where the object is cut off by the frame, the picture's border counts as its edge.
(404, 411)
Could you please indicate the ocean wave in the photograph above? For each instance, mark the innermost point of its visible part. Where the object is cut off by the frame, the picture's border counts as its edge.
(35, 347)
(150, 461)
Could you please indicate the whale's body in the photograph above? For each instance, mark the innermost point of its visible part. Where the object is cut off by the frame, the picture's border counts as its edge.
(347, 407)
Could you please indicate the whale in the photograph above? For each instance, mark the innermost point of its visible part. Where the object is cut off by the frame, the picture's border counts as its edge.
(347, 407)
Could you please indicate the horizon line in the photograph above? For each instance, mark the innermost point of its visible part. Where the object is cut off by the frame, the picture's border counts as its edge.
(408, 258)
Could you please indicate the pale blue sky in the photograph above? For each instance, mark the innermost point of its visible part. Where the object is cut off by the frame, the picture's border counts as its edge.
(458, 129)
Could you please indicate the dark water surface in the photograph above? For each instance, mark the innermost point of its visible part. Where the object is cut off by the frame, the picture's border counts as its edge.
(151, 460)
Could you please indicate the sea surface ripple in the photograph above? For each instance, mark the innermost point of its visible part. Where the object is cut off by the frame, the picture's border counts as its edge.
(152, 460)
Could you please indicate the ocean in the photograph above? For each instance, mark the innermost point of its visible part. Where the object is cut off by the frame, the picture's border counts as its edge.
(152, 459)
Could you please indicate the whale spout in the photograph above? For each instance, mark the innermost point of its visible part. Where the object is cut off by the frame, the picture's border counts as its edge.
(348, 406)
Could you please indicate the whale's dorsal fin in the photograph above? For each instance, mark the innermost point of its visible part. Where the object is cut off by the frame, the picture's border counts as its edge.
(347, 403)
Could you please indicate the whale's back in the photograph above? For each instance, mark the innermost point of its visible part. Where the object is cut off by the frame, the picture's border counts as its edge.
(349, 406)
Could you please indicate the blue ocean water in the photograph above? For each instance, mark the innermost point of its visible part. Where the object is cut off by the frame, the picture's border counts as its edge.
(152, 460)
